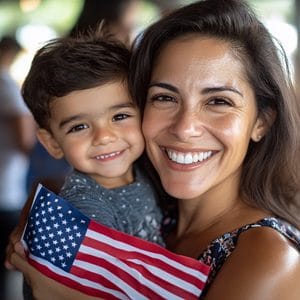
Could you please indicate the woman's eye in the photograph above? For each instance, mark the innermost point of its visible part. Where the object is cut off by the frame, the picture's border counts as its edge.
(162, 98)
(219, 101)
(78, 128)
(120, 117)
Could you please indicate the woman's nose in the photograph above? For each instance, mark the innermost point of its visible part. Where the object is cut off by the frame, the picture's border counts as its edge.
(187, 125)
(103, 135)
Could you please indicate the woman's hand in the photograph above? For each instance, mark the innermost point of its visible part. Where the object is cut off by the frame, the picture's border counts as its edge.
(44, 288)
(16, 234)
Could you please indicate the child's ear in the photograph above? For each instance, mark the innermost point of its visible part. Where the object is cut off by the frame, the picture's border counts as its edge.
(49, 142)
(263, 123)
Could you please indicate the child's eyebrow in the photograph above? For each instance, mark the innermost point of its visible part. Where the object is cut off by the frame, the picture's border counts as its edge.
(68, 120)
(81, 116)
(122, 105)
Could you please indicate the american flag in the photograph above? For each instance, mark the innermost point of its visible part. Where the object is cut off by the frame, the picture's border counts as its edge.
(68, 247)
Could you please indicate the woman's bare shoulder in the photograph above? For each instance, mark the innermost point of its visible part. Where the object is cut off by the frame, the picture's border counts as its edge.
(265, 265)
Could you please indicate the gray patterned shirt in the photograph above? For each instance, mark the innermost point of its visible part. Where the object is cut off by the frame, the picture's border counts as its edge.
(132, 208)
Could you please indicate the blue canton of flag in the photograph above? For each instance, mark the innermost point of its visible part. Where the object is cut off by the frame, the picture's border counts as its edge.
(53, 230)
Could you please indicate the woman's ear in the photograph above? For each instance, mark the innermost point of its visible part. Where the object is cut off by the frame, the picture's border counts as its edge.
(50, 143)
(263, 123)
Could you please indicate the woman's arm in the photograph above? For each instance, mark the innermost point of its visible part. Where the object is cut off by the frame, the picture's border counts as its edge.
(264, 266)
(16, 234)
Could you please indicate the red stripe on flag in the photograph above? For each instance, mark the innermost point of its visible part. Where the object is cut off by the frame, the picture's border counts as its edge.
(124, 276)
(126, 255)
(148, 246)
(70, 282)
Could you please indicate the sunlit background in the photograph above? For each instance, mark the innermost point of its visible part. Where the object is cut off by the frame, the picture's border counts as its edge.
(36, 21)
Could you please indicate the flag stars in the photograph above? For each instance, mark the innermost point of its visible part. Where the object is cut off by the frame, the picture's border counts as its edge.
(55, 230)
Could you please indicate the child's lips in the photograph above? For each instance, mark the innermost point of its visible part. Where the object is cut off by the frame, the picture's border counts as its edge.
(108, 156)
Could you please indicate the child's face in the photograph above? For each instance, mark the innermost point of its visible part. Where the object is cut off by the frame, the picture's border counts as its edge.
(98, 131)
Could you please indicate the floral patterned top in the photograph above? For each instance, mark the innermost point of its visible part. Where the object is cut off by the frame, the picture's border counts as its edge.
(219, 249)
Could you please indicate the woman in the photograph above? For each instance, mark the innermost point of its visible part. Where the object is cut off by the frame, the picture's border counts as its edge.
(217, 107)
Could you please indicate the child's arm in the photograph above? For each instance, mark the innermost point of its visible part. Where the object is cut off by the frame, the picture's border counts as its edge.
(43, 287)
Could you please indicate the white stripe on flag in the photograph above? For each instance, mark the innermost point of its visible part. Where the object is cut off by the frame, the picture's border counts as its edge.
(77, 279)
(171, 278)
(135, 273)
(127, 247)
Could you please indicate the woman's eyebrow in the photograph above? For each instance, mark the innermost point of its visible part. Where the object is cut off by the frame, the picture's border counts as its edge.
(164, 86)
(225, 88)
(207, 90)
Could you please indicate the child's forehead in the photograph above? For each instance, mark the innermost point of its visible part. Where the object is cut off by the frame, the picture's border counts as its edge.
(94, 101)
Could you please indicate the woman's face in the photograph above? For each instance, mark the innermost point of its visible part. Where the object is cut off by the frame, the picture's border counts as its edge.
(199, 117)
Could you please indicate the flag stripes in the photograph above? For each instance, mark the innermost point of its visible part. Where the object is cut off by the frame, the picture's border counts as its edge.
(102, 262)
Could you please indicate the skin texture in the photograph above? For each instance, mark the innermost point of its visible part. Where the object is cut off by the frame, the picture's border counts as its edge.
(98, 131)
(200, 101)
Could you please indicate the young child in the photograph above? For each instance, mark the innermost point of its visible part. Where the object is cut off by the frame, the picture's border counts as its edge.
(77, 92)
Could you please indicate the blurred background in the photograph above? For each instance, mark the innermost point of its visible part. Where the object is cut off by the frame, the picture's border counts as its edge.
(34, 22)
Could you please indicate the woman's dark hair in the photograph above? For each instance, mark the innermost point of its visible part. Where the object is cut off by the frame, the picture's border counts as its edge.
(70, 64)
(270, 178)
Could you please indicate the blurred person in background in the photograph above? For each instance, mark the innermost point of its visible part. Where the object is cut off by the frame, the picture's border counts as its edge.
(120, 18)
(17, 135)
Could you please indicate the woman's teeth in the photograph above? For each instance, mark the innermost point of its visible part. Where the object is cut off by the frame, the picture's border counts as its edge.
(188, 158)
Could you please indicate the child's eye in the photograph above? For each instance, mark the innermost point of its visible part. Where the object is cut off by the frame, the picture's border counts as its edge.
(120, 117)
(78, 127)
(219, 101)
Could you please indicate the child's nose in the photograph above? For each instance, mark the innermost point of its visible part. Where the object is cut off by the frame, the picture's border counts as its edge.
(103, 136)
